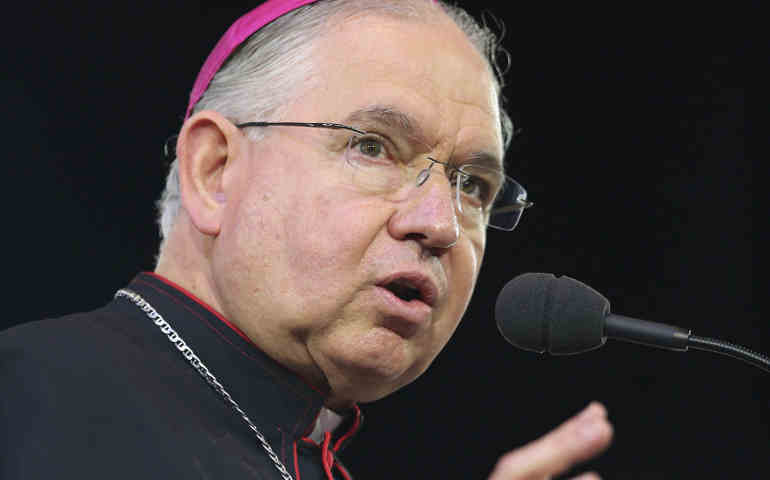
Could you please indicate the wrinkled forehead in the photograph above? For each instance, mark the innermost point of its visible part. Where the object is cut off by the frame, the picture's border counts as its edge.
(417, 76)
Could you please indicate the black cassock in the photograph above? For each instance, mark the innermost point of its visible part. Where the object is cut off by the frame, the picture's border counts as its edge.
(107, 395)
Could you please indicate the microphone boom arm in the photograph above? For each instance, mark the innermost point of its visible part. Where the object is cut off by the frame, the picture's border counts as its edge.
(731, 350)
(645, 332)
(660, 335)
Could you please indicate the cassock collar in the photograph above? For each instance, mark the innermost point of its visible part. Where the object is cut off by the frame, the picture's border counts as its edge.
(278, 401)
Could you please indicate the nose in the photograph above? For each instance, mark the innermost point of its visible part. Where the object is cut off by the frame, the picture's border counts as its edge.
(428, 215)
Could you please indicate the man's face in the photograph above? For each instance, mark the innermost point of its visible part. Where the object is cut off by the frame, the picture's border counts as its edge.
(305, 263)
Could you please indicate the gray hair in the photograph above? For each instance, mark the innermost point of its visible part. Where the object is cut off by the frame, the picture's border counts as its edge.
(264, 73)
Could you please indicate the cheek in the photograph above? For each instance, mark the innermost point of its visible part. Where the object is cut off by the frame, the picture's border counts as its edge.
(464, 275)
(326, 251)
(466, 266)
(331, 238)
(249, 245)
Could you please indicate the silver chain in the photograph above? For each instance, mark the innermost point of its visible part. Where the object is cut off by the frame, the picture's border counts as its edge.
(198, 365)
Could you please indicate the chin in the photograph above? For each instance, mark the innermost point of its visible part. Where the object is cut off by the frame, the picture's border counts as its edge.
(372, 380)
(361, 392)
(366, 367)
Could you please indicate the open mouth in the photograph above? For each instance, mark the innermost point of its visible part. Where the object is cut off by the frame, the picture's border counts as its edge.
(404, 290)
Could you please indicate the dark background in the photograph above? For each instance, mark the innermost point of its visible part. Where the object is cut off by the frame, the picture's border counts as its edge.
(632, 149)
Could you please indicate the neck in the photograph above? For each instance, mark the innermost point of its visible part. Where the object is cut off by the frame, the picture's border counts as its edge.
(184, 260)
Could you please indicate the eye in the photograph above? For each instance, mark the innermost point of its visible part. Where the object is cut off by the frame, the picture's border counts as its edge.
(474, 189)
(370, 147)
(473, 186)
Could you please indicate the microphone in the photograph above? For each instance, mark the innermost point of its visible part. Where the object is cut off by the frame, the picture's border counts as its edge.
(540, 312)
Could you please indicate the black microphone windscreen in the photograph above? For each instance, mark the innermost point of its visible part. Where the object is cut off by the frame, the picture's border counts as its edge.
(540, 312)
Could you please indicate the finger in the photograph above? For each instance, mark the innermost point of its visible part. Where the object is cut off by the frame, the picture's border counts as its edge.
(574, 441)
(587, 476)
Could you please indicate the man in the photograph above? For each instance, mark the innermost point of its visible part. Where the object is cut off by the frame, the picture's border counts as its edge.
(324, 225)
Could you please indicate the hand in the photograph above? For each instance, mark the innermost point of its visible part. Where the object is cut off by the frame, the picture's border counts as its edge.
(576, 440)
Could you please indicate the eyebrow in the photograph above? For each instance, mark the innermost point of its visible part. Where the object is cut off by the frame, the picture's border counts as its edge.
(390, 117)
(488, 160)
(408, 126)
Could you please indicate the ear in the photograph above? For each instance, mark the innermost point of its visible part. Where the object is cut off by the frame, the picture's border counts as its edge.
(207, 145)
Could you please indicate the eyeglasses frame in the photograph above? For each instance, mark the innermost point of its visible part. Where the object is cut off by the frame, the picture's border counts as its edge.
(422, 176)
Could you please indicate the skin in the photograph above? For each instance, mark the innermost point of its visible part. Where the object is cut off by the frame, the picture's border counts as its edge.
(292, 255)
(271, 236)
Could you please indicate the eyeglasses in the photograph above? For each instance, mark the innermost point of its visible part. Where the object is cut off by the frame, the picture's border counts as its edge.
(482, 196)
(380, 164)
